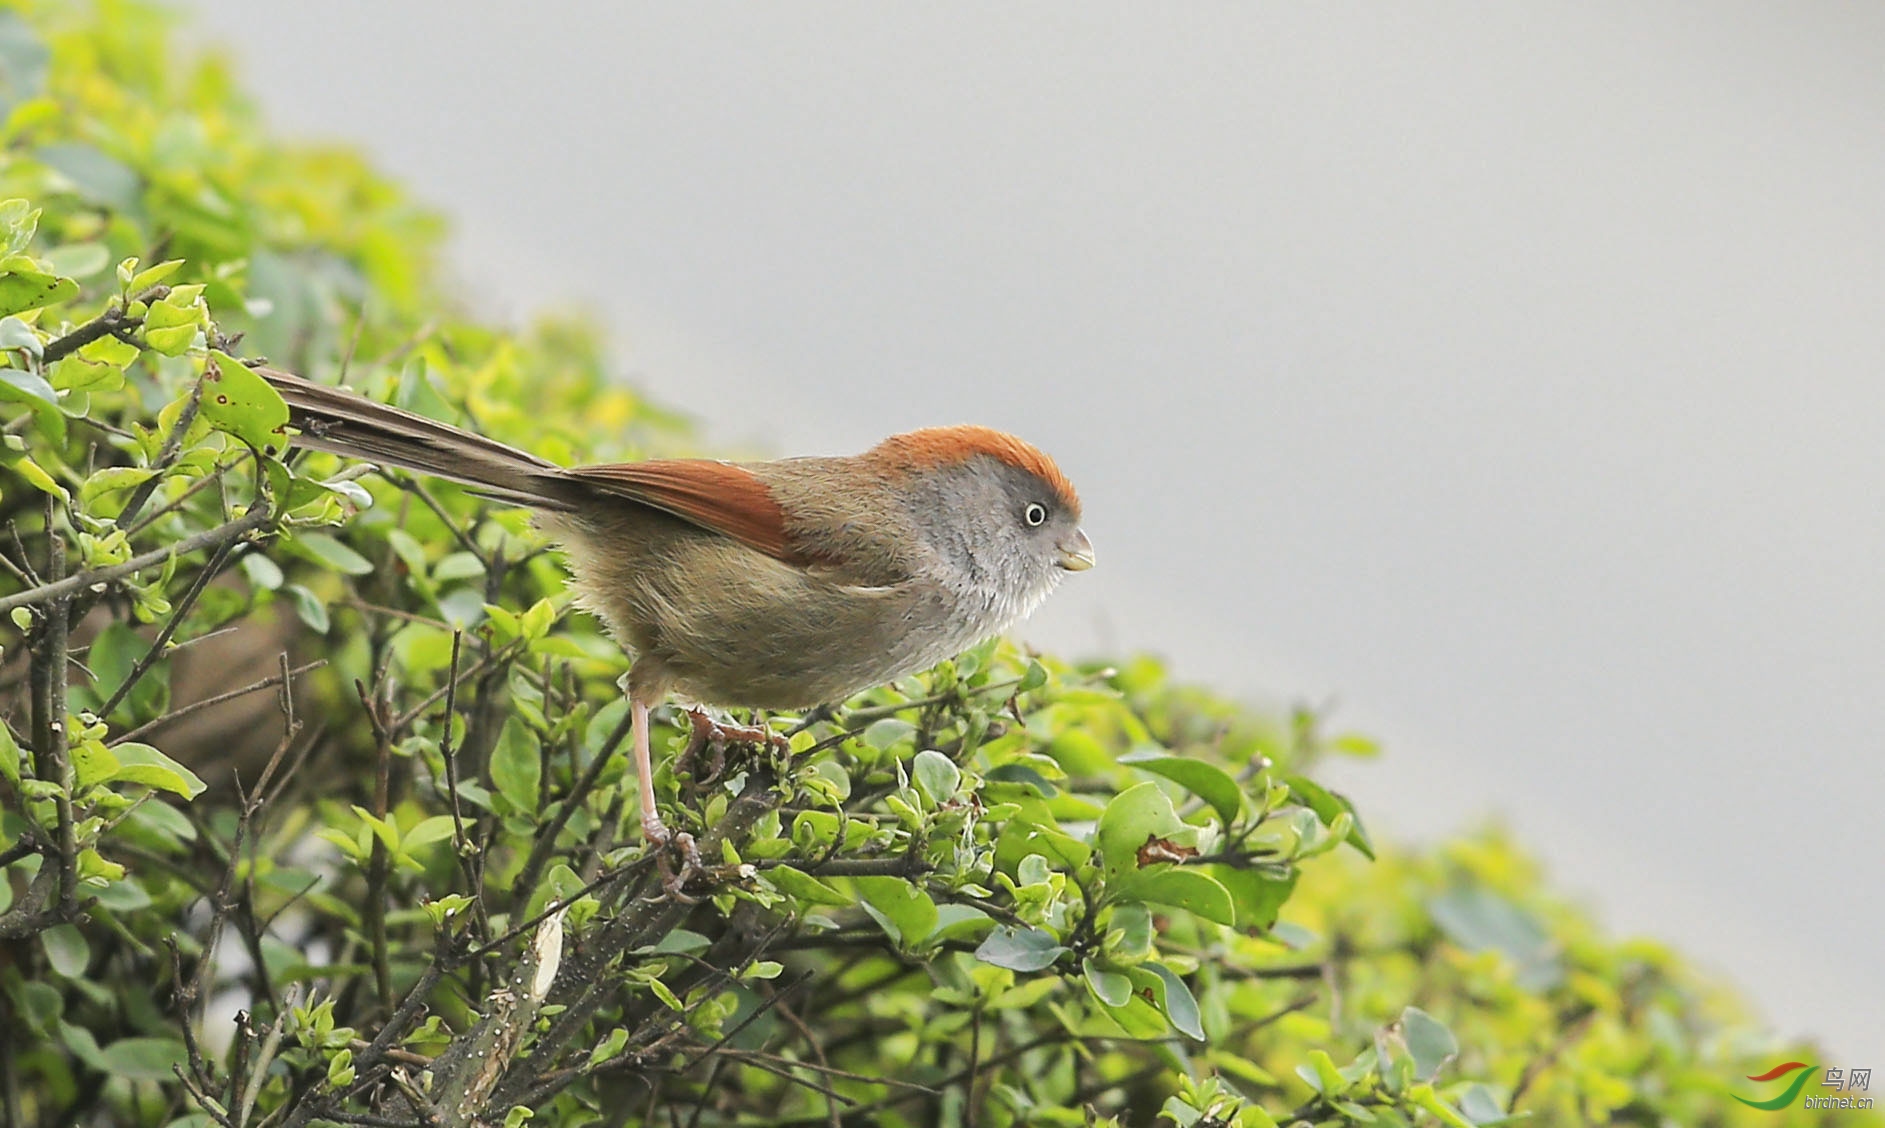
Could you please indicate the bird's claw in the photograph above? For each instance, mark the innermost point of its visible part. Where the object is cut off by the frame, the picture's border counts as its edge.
(679, 860)
(721, 734)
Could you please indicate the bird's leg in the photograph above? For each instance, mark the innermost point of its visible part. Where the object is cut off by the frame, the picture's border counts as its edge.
(652, 827)
(674, 879)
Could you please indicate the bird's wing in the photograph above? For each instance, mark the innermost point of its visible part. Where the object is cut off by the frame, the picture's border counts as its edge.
(718, 496)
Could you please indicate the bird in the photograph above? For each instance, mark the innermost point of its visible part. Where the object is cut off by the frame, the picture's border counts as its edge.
(782, 584)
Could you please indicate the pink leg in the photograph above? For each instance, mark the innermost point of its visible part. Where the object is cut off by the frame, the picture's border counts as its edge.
(658, 835)
(651, 825)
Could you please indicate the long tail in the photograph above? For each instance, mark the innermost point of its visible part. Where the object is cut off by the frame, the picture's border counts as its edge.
(336, 420)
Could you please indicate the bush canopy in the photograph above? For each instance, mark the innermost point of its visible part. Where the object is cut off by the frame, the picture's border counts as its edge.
(314, 803)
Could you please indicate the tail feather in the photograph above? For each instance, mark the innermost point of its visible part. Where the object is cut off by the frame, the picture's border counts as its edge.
(335, 420)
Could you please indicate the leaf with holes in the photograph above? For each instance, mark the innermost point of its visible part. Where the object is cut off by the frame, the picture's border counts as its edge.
(240, 403)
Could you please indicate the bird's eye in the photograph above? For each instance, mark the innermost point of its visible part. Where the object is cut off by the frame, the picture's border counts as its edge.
(1035, 514)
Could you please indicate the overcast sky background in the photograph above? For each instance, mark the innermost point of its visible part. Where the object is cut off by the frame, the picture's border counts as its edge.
(1510, 374)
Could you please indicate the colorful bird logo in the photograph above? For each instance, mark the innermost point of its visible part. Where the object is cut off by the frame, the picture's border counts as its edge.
(1793, 1089)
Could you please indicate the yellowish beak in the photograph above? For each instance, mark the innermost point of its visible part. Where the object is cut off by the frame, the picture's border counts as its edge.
(1076, 552)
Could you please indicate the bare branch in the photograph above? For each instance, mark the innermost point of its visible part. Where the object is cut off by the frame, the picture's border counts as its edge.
(228, 532)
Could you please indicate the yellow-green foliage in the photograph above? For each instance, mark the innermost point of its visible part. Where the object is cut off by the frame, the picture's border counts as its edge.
(1011, 891)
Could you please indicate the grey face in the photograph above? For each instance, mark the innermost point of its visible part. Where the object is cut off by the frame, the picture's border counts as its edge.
(1008, 538)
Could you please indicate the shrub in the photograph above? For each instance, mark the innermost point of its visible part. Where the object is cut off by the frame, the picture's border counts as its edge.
(312, 790)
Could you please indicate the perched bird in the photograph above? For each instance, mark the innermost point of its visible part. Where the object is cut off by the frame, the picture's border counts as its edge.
(779, 585)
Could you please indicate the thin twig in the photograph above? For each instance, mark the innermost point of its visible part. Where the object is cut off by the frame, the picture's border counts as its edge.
(174, 715)
(550, 831)
(173, 446)
(257, 516)
(379, 864)
(184, 603)
(50, 762)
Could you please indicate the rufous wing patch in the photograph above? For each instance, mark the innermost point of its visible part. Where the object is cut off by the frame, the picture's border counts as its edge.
(718, 496)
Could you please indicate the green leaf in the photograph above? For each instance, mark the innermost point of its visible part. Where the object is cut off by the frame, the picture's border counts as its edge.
(457, 566)
(1183, 887)
(464, 608)
(29, 385)
(1129, 932)
(79, 260)
(17, 335)
(1113, 988)
(666, 994)
(100, 178)
(1178, 1003)
(959, 922)
(10, 755)
(1205, 780)
(609, 1046)
(427, 831)
(23, 288)
(1479, 1105)
(408, 549)
(1321, 1074)
(40, 1004)
(36, 474)
(23, 58)
(1424, 1097)
(535, 623)
(937, 775)
(417, 395)
(888, 733)
(84, 1046)
(82, 372)
(140, 763)
(114, 653)
(308, 607)
(113, 479)
(179, 308)
(241, 403)
(262, 572)
(1477, 919)
(1259, 893)
(334, 554)
(20, 386)
(146, 1059)
(20, 219)
(516, 767)
(66, 950)
(383, 829)
(1328, 805)
(152, 275)
(1020, 949)
(109, 351)
(1021, 840)
(805, 887)
(1429, 1041)
(175, 340)
(904, 910)
(92, 764)
(1134, 818)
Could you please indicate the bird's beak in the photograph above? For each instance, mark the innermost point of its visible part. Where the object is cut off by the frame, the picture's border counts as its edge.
(1076, 552)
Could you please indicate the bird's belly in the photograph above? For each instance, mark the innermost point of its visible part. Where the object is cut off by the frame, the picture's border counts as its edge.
(818, 647)
(730, 626)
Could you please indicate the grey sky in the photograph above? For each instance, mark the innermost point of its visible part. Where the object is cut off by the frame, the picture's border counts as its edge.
(1510, 374)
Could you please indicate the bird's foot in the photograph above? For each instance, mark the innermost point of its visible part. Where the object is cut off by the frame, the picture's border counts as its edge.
(718, 735)
(705, 756)
(678, 858)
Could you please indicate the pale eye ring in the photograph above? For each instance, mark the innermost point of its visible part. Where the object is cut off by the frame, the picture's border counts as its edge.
(1035, 514)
